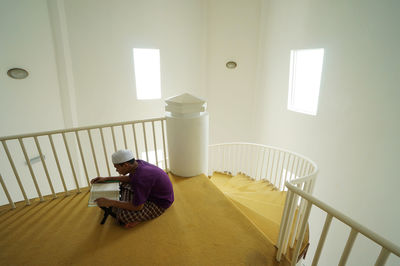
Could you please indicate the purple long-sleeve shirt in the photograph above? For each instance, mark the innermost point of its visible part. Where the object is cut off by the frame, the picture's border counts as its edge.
(151, 183)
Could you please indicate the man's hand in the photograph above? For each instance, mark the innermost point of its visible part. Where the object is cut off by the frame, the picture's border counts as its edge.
(103, 202)
(98, 180)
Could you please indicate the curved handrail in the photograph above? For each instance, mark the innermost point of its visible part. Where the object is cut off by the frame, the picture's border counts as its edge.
(276, 165)
(266, 146)
(297, 179)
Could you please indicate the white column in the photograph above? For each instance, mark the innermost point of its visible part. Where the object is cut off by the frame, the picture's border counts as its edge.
(187, 134)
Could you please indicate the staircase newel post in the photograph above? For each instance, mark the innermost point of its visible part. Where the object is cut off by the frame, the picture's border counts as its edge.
(187, 135)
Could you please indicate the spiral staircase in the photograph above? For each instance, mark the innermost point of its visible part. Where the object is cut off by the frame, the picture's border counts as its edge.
(259, 201)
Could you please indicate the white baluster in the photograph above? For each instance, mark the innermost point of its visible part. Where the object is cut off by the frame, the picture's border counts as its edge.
(105, 151)
(70, 162)
(30, 169)
(6, 192)
(165, 149)
(284, 224)
(322, 239)
(302, 233)
(93, 153)
(348, 247)
(383, 256)
(134, 137)
(155, 143)
(53, 148)
(83, 158)
(45, 167)
(113, 138)
(145, 141)
(124, 135)
(15, 172)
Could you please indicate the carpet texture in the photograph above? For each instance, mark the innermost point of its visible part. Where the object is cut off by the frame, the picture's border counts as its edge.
(202, 227)
(259, 202)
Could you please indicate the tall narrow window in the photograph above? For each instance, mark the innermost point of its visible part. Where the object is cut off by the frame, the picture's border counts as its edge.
(305, 80)
(147, 73)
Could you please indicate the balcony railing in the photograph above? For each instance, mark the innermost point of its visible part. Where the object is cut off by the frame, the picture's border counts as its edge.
(70, 157)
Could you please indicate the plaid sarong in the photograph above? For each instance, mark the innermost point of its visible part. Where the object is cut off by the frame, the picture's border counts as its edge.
(150, 209)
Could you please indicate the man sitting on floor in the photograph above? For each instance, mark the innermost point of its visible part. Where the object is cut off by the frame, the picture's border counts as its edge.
(144, 194)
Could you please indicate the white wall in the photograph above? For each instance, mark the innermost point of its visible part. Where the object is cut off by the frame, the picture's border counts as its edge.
(233, 34)
(354, 138)
(97, 49)
(102, 35)
(79, 55)
(31, 104)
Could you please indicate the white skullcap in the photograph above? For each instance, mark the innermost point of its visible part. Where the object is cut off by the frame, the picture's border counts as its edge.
(122, 156)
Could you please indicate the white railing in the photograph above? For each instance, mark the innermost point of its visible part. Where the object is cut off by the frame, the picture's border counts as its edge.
(276, 166)
(262, 162)
(69, 157)
(387, 247)
(296, 174)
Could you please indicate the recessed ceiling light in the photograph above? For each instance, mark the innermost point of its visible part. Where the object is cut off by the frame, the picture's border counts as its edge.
(17, 73)
(231, 64)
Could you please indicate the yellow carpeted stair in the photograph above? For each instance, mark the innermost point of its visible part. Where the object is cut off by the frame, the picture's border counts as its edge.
(258, 200)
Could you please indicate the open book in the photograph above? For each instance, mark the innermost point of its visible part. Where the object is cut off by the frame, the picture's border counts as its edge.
(109, 190)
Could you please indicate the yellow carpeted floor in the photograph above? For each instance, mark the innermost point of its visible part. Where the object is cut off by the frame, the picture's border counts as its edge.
(202, 227)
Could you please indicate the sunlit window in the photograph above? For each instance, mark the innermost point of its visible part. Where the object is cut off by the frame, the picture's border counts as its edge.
(147, 73)
(305, 80)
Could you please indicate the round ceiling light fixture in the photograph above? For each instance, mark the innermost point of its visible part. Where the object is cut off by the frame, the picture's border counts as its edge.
(231, 64)
(17, 73)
